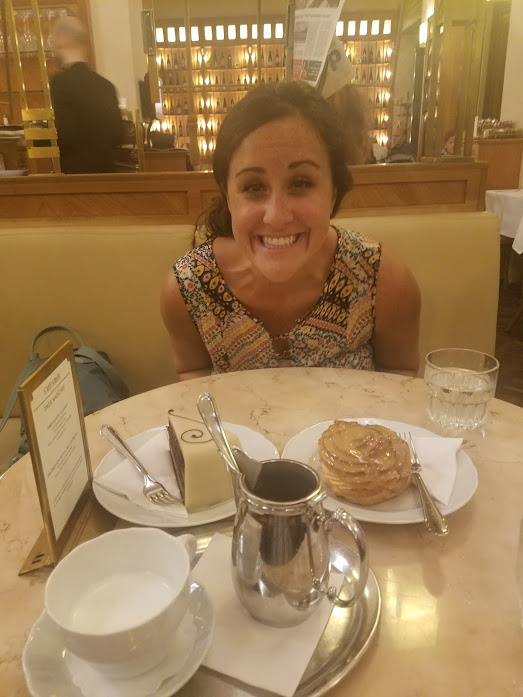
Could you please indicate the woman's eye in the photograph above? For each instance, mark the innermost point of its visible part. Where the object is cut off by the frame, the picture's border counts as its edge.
(301, 184)
(253, 188)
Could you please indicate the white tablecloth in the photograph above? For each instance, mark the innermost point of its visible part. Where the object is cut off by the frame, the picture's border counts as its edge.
(508, 206)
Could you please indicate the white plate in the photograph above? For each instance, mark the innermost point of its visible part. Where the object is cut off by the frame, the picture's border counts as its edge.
(254, 444)
(401, 509)
(45, 664)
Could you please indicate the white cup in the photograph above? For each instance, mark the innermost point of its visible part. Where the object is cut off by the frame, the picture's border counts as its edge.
(117, 599)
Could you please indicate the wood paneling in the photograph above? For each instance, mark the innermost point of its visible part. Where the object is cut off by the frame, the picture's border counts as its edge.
(179, 197)
(504, 156)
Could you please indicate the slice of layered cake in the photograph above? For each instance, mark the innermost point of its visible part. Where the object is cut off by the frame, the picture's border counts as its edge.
(201, 473)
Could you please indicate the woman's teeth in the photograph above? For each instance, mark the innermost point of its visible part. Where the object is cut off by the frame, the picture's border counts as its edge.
(279, 241)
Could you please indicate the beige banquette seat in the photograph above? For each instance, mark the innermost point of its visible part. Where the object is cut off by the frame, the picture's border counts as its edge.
(104, 281)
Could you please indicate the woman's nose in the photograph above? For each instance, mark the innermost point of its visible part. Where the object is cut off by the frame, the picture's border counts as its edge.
(278, 210)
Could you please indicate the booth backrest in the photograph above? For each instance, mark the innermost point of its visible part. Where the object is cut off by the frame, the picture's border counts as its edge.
(455, 259)
(104, 281)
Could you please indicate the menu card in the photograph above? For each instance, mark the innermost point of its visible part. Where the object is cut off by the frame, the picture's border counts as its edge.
(53, 415)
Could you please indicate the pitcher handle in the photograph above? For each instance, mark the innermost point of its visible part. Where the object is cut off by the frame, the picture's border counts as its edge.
(341, 517)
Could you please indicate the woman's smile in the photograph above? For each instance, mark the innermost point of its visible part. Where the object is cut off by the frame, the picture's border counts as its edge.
(280, 242)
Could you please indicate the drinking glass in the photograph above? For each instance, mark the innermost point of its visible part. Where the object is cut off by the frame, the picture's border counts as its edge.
(459, 383)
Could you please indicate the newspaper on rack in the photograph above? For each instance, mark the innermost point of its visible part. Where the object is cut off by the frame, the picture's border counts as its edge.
(314, 26)
(338, 70)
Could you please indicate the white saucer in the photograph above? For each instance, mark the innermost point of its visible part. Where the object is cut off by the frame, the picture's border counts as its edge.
(252, 442)
(47, 665)
(401, 509)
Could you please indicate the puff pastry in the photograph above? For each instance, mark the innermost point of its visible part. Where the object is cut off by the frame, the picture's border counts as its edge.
(364, 464)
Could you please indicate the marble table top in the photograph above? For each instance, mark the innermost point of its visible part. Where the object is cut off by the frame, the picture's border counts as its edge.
(450, 622)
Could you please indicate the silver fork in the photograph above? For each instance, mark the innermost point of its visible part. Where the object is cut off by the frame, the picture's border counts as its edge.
(152, 490)
(434, 521)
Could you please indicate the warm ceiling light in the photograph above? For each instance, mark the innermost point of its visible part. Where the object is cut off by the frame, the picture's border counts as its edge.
(363, 27)
(171, 34)
(159, 35)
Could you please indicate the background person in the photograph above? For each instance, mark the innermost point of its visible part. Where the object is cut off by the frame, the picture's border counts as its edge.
(85, 104)
(401, 150)
(276, 283)
(448, 143)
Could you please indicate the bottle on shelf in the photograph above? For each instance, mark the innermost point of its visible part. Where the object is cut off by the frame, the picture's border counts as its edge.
(371, 56)
(376, 121)
(377, 99)
(182, 61)
(364, 77)
(269, 60)
(171, 109)
(180, 129)
(262, 59)
(378, 57)
(371, 79)
(185, 106)
(229, 60)
(168, 64)
(224, 104)
(238, 80)
(277, 59)
(222, 61)
(364, 56)
(178, 107)
(218, 106)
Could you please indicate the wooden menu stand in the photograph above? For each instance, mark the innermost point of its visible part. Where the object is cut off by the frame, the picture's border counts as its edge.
(53, 416)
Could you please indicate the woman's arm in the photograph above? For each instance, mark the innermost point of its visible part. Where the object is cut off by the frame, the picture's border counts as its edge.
(396, 327)
(191, 358)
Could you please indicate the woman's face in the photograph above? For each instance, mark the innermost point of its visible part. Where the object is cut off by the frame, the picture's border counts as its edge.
(280, 195)
(449, 145)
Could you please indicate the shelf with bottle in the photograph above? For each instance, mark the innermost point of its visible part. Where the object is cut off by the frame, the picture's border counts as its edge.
(211, 68)
(368, 52)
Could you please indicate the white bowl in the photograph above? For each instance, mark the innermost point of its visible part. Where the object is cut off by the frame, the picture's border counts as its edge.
(117, 598)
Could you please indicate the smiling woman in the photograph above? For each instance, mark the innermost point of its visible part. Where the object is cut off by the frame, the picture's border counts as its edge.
(276, 283)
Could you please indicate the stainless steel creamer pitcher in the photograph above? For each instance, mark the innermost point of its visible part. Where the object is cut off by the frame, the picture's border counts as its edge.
(280, 547)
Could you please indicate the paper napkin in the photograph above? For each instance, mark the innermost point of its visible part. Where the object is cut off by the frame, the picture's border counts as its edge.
(126, 480)
(437, 457)
(270, 658)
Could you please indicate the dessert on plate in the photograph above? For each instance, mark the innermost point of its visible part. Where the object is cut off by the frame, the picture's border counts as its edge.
(200, 472)
(364, 464)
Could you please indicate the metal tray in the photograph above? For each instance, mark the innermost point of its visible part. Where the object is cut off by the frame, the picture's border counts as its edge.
(346, 638)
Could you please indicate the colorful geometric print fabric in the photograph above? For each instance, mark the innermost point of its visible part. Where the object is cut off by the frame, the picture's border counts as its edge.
(336, 333)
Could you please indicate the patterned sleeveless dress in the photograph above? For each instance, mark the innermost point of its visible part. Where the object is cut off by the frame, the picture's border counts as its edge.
(336, 333)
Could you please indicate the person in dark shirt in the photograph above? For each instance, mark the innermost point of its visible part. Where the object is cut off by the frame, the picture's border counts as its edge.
(401, 151)
(87, 116)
